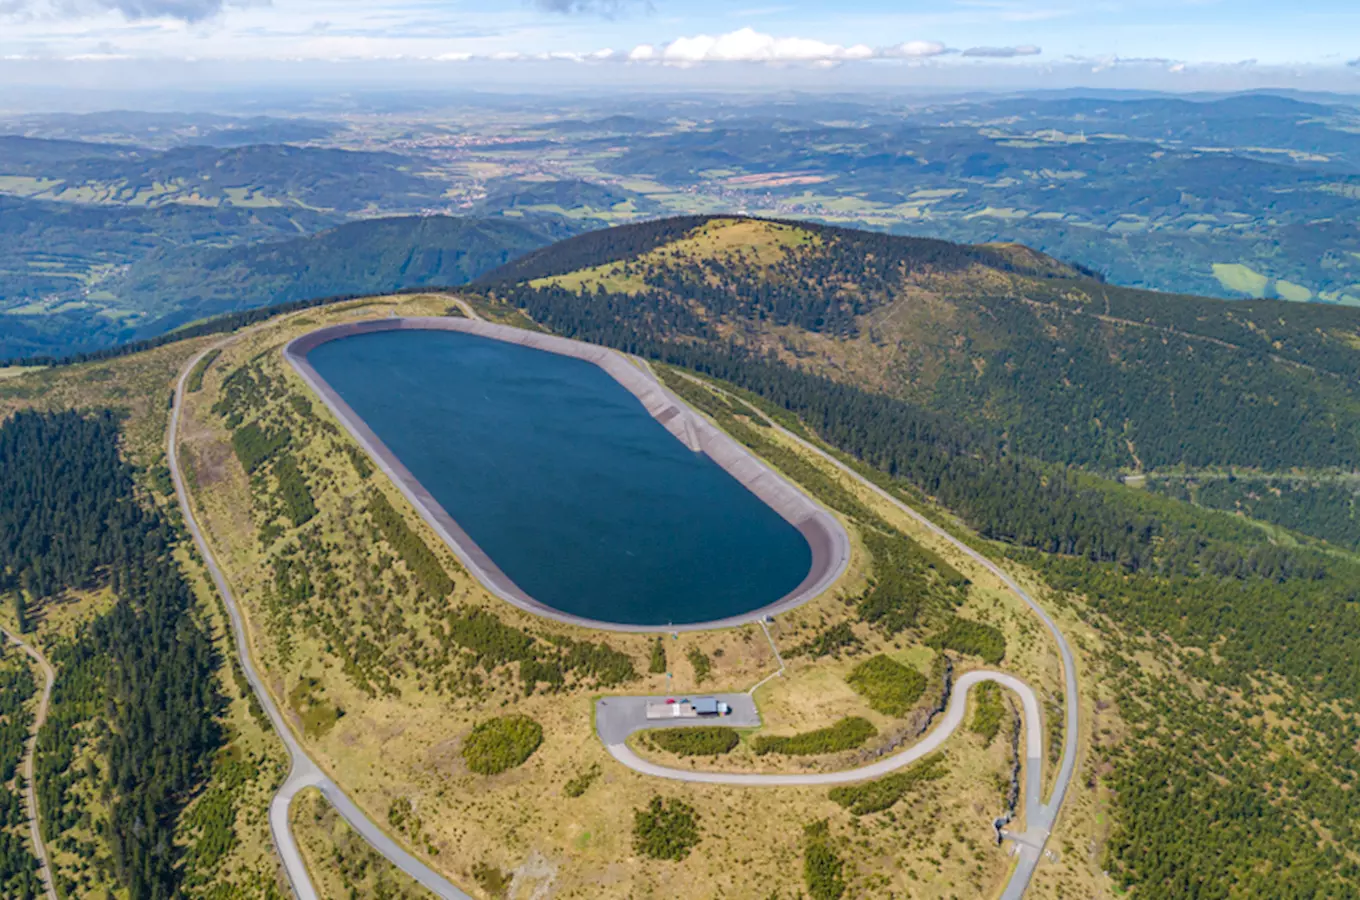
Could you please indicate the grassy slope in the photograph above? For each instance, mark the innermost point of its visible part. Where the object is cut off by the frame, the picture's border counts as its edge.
(1199, 681)
(520, 821)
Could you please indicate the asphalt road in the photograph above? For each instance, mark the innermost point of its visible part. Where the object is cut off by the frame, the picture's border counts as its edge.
(622, 721)
(1039, 816)
(304, 771)
(614, 729)
(30, 790)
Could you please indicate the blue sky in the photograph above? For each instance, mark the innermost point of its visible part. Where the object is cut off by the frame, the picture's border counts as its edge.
(974, 42)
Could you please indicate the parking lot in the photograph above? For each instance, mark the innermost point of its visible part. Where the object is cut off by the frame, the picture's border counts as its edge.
(618, 717)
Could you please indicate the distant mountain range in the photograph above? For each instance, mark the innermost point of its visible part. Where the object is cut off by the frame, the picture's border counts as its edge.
(172, 286)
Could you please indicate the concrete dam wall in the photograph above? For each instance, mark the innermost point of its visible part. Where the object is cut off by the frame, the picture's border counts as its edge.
(829, 543)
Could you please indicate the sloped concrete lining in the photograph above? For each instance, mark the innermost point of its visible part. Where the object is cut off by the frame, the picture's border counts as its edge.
(828, 540)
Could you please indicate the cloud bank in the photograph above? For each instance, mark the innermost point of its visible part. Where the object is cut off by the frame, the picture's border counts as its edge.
(746, 45)
(609, 9)
(190, 11)
(1002, 52)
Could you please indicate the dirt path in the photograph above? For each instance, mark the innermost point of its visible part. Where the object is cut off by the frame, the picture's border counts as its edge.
(30, 791)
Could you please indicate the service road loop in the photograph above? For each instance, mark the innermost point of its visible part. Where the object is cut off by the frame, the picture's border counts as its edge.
(304, 772)
(1040, 816)
(614, 731)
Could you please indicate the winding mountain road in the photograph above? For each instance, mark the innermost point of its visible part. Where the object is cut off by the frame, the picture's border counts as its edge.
(1039, 816)
(303, 772)
(30, 753)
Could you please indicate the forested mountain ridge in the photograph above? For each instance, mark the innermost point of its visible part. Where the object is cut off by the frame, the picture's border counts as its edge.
(1054, 363)
(1223, 715)
(370, 256)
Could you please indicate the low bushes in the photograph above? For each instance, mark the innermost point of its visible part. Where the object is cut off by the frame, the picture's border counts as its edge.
(298, 504)
(500, 744)
(577, 786)
(657, 666)
(876, 796)
(975, 639)
(988, 711)
(254, 446)
(828, 643)
(823, 869)
(890, 687)
(194, 384)
(846, 734)
(701, 664)
(666, 829)
(707, 740)
(409, 546)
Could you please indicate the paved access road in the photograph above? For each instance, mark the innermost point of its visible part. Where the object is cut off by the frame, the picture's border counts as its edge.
(1039, 816)
(614, 730)
(304, 771)
(30, 790)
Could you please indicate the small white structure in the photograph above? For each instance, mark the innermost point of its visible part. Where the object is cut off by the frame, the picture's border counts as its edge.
(687, 709)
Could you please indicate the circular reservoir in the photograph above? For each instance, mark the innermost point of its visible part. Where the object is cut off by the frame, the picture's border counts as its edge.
(562, 479)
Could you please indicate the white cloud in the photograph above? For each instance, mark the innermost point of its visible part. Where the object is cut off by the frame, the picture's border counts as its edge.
(746, 45)
(749, 45)
(914, 50)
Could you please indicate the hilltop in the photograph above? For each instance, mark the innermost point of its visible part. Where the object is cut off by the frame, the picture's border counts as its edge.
(1033, 354)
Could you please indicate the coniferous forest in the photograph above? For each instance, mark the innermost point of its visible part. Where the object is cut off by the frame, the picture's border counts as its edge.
(140, 679)
(1237, 775)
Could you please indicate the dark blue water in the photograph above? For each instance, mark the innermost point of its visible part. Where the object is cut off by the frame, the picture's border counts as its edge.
(557, 472)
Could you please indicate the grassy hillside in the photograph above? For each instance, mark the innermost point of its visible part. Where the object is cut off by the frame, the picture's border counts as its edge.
(1032, 353)
(1224, 683)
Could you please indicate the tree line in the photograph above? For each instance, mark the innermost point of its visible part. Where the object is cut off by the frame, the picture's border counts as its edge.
(138, 682)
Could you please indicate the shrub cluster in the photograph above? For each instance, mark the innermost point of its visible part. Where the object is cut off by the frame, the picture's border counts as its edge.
(973, 638)
(876, 796)
(823, 869)
(988, 711)
(494, 643)
(666, 829)
(701, 664)
(194, 383)
(706, 740)
(847, 734)
(502, 743)
(828, 643)
(577, 786)
(297, 499)
(657, 666)
(890, 687)
(413, 551)
(254, 446)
